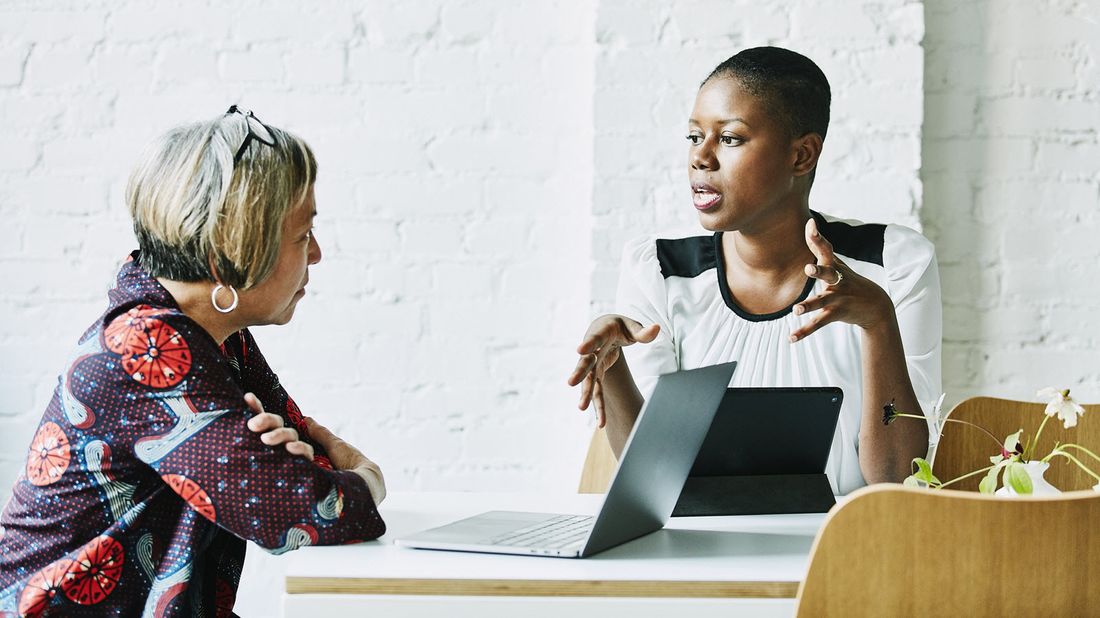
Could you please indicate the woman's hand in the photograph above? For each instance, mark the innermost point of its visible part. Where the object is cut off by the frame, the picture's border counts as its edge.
(848, 296)
(346, 457)
(599, 351)
(271, 429)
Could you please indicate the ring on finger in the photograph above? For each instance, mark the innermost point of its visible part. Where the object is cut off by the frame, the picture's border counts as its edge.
(839, 278)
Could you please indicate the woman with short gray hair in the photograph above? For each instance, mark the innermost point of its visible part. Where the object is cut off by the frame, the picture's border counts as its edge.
(156, 459)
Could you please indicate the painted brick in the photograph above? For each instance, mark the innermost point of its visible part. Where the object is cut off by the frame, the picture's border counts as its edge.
(19, 154)
(58, 68)
(1074, 159)
(380, 65)
(144, 23)
(400, 23)
(467, 22)
(993, 155)
(123, 65)
(54, 26)
(256, 65)
(13, 58)
(292, 23)
(316, 67)
(1047, 73)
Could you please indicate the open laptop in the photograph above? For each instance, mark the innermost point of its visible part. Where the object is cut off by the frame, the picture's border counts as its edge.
(655, 461)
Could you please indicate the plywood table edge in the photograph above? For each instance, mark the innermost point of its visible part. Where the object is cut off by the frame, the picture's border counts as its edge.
(542, 588)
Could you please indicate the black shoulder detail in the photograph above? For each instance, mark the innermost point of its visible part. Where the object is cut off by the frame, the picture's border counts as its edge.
(686, 257)
(860, 242)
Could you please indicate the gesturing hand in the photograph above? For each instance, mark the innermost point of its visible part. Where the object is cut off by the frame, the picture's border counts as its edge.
(346, 457)
(848, 297)
(599, 350)
(271, 429)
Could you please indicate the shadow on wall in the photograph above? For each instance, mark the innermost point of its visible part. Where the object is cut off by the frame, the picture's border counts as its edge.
(1011, 187)
(952, 162)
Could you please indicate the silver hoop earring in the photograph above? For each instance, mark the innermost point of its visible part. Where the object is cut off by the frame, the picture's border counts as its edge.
(214, 299)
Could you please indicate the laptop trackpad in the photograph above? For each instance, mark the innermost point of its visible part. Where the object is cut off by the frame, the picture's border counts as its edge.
(483, 526)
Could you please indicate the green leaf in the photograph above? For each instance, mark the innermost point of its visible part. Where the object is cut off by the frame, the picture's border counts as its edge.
(1017, 478)
(924, 472)
(988, 484)
(1013, 441)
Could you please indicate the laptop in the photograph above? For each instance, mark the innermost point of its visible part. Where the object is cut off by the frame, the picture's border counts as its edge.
(765, 452)
(654, 463)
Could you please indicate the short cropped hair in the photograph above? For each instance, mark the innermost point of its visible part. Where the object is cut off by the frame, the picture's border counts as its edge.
(201, 216)
(788, 82)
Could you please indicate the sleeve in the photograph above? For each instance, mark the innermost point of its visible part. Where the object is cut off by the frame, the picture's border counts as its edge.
(258, 378)
(913, 283)
(643, 296)
(196, 439)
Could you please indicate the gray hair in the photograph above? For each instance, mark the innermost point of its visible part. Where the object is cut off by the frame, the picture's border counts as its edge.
(201, 216)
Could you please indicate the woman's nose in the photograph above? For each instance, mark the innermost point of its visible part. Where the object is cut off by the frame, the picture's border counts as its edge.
(314, 254)
(702, 157)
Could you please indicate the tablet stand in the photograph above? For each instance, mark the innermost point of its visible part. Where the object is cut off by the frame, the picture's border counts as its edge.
(754, 495)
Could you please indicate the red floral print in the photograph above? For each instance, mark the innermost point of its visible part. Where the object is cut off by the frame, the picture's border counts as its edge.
(42, 588)
(95, 572)
(49, 456)
(159, 357)
(127, 327)
(195, 496)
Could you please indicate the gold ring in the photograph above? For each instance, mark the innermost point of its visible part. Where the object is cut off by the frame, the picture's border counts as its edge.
(839, 278)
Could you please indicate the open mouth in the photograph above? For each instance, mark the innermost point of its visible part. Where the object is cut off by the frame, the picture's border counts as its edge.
(704, 196)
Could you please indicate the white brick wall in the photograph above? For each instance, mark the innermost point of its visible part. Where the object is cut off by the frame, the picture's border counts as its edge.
(1012, 192)
(482, 163)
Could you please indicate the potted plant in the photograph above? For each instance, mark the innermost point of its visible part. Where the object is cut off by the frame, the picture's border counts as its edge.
(1014, 467)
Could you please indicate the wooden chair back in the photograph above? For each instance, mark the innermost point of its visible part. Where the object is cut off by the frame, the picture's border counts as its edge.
(964, 449)
(899, 551)
(599, 465)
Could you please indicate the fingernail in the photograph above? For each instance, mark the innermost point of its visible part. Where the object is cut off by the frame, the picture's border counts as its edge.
(793, 338)
(797, 310)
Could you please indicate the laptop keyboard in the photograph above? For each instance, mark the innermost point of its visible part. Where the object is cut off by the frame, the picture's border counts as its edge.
(553, 533)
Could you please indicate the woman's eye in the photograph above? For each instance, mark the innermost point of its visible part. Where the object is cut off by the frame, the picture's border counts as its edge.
(730, 140)
(695, 138)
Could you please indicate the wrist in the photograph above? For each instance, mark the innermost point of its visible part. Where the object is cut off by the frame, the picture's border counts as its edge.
(885, 323)
(372, 476)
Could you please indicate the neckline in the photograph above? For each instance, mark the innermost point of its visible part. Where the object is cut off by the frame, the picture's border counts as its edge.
(727, 295)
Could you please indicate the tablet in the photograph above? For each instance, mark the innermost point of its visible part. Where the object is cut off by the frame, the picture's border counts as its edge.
(765, 452)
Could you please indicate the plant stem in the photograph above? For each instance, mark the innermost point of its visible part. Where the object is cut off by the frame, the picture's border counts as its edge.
(1035, 442)
(967, 475)
(984, 430)
(1081, 448)
(1078, 462)
(953, 420)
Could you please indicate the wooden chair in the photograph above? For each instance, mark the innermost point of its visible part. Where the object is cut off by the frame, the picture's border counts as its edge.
(898, 551)
(964, 449)
(599, 465)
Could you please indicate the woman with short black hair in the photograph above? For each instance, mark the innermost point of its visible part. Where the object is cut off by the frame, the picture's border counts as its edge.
(797, 297)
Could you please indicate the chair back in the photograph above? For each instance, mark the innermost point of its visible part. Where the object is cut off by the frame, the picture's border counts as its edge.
(899, 551)
(599, 465)
(963, 449)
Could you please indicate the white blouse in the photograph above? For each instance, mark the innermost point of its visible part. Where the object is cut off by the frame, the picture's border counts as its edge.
(681, 285)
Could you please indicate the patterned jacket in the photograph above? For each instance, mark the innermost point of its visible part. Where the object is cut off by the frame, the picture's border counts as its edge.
(143, 481)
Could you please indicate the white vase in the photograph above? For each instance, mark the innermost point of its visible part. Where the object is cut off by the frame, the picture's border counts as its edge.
(1039, 485)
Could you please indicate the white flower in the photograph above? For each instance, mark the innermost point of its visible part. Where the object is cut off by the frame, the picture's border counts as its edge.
(1062, 405)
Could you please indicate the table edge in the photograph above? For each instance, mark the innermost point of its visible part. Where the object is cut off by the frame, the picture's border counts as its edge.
(542, 588)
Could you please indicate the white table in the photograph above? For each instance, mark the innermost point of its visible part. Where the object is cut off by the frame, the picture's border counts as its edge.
(702, 565)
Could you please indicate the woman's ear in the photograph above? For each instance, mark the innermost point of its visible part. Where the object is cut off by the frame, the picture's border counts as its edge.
(807, 151)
